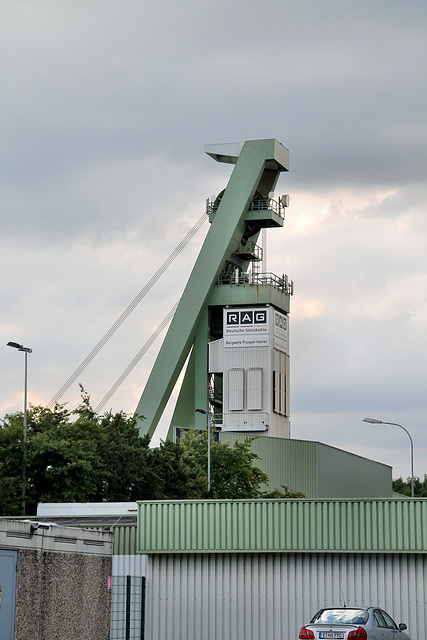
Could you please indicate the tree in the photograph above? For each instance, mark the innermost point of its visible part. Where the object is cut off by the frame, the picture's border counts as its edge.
(177, 479)
(183, 470)
(74, 456)
(127, 463)
(233, 474)
(63, 461)
(404, 488)
(11, 459)
(80, 456)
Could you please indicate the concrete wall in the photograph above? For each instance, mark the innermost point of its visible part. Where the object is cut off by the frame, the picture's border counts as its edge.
(61, 581)
(61, 596)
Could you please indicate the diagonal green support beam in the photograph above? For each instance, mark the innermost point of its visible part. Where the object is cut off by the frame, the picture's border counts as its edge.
(257, 167)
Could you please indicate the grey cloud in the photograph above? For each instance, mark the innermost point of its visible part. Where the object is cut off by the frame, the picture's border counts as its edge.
(105, 108)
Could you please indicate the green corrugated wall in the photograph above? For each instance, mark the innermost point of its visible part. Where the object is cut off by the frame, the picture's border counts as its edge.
(125, 537)
(125, 540)
(228, 526)
(318, 470)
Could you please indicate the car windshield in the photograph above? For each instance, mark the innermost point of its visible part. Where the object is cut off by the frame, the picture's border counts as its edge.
(341, 616)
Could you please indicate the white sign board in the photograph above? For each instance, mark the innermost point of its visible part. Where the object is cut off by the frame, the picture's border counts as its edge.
(246, 327)
(281, 332)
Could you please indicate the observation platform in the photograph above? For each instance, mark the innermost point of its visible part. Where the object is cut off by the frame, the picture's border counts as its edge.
(253, 289)
(266, 210)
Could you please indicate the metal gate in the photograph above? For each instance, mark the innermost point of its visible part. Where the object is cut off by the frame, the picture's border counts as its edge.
(7, 593)
(127, 608)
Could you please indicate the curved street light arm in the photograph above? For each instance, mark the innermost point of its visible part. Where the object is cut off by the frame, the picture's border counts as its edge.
(396, 424)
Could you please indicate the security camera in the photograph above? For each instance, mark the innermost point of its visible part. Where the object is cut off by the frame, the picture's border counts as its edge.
(33, 525)
(39, 525)
(33, 528)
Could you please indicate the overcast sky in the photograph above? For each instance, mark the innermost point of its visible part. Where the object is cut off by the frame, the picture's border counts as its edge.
(105, 110)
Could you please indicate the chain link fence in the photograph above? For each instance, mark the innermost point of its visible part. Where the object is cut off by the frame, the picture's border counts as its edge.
(128, 608)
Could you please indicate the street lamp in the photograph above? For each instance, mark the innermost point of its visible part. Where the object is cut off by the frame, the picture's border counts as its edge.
(26, 350)
(395, 424)
(210, 422)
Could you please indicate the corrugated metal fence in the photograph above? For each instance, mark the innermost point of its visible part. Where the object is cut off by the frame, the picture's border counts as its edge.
(270, 596)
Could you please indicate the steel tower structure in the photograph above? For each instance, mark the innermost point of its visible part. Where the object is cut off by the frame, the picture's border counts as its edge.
(232, 320)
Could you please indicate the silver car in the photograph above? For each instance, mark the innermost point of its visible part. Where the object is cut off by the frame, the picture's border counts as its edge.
(353, 623)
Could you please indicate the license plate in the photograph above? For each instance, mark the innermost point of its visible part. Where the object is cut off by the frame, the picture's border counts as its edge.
(331, 635)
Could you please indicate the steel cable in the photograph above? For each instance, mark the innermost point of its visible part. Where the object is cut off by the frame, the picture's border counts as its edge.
(127, 312)
(136, 359)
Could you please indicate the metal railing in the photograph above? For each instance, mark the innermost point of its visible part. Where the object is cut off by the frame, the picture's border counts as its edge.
(215, 397)
(252, 249)
(211, 207)
(258, 279)
(258, 204)
(268, 204)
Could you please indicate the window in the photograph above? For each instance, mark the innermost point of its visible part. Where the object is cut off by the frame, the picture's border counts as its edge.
(340, 616)
(378, 616)
(390, 624)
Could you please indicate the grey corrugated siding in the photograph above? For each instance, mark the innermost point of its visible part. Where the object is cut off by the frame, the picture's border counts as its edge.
(126, 562)
(227, 526)
(270, 596)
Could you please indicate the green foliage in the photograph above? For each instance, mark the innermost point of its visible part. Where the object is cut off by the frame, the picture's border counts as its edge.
(11, 454)
(175, 478)
(232, 472)
(62, 457)
(79, 456)
(286, 494)
(404, 488)
(127, 471)
(73, 456)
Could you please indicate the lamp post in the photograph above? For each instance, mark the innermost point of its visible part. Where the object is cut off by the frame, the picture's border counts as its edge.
(26, 350)
(210, 422)
(395, 424)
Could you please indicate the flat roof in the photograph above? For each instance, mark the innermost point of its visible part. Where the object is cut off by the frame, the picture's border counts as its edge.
(73, 509)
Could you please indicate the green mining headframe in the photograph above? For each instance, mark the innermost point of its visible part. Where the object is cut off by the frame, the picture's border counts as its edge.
(220, 279)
